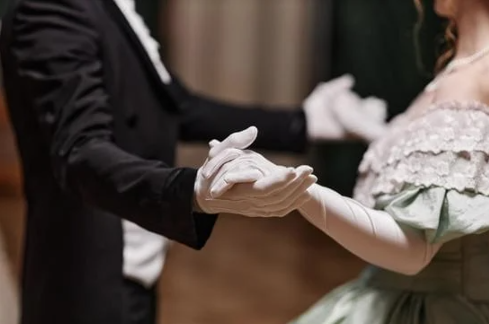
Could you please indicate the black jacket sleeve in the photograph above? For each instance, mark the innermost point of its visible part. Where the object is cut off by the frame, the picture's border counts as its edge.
(204, 119)
(55, 49)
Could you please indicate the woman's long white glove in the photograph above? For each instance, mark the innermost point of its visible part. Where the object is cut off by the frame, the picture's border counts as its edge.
(370, 234)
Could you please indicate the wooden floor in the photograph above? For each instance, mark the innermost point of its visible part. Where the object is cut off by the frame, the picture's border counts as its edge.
(252, 271)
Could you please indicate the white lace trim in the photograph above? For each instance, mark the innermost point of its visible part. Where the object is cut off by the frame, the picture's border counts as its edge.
(447, 146)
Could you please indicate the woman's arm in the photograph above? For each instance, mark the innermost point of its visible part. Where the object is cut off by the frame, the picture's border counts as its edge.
(372, 235)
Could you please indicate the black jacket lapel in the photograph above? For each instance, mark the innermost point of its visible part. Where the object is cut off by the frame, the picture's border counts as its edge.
(160, 87)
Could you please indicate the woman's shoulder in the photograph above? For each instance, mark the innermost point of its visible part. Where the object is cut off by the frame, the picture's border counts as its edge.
(446, 145)
(454, 125)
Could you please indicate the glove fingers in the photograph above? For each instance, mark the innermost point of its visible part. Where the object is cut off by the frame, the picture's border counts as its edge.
(246, 207)
(261, 187)
(339, 84)
(240, 140)
(274, 182)
(228, 180)
(213, 165)
(294, 200)
(246, 169)
(289, 196)
(302, 173)
(269, 184)
(214, 143)
(269, 189)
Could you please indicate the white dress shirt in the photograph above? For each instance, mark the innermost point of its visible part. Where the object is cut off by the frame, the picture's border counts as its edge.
(144, 252)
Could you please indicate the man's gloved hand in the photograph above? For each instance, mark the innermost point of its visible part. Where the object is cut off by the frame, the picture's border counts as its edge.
(333, 111)
(244, 182)
(364, 118)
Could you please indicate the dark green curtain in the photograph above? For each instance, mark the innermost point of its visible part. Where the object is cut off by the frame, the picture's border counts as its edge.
(373, 40)
(3, 7)
(153, 13)
(150, 11)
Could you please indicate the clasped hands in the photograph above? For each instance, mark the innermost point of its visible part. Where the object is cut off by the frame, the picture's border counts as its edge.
(236, 180)
(239, 181)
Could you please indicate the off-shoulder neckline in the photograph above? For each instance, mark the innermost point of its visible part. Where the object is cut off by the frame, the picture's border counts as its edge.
(459, 104)
(455, 104)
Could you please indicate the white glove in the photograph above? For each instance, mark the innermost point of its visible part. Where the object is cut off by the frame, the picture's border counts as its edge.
(364, 118)
(375, 109)
(244, 182)
(333, 111)
(372, 235)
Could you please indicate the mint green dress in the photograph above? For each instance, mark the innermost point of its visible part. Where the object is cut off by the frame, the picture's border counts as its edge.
(430, 173)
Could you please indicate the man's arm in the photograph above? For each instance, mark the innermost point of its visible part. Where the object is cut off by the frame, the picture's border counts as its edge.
(332, 112)
(54, 49)
(204, 119)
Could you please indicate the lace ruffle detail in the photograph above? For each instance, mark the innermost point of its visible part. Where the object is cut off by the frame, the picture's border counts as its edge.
(447, 146)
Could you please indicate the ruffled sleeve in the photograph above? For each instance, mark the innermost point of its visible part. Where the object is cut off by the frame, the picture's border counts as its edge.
(432, 172)
(442, 214)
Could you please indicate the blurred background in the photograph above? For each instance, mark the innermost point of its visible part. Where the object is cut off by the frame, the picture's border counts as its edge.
(272, 52)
